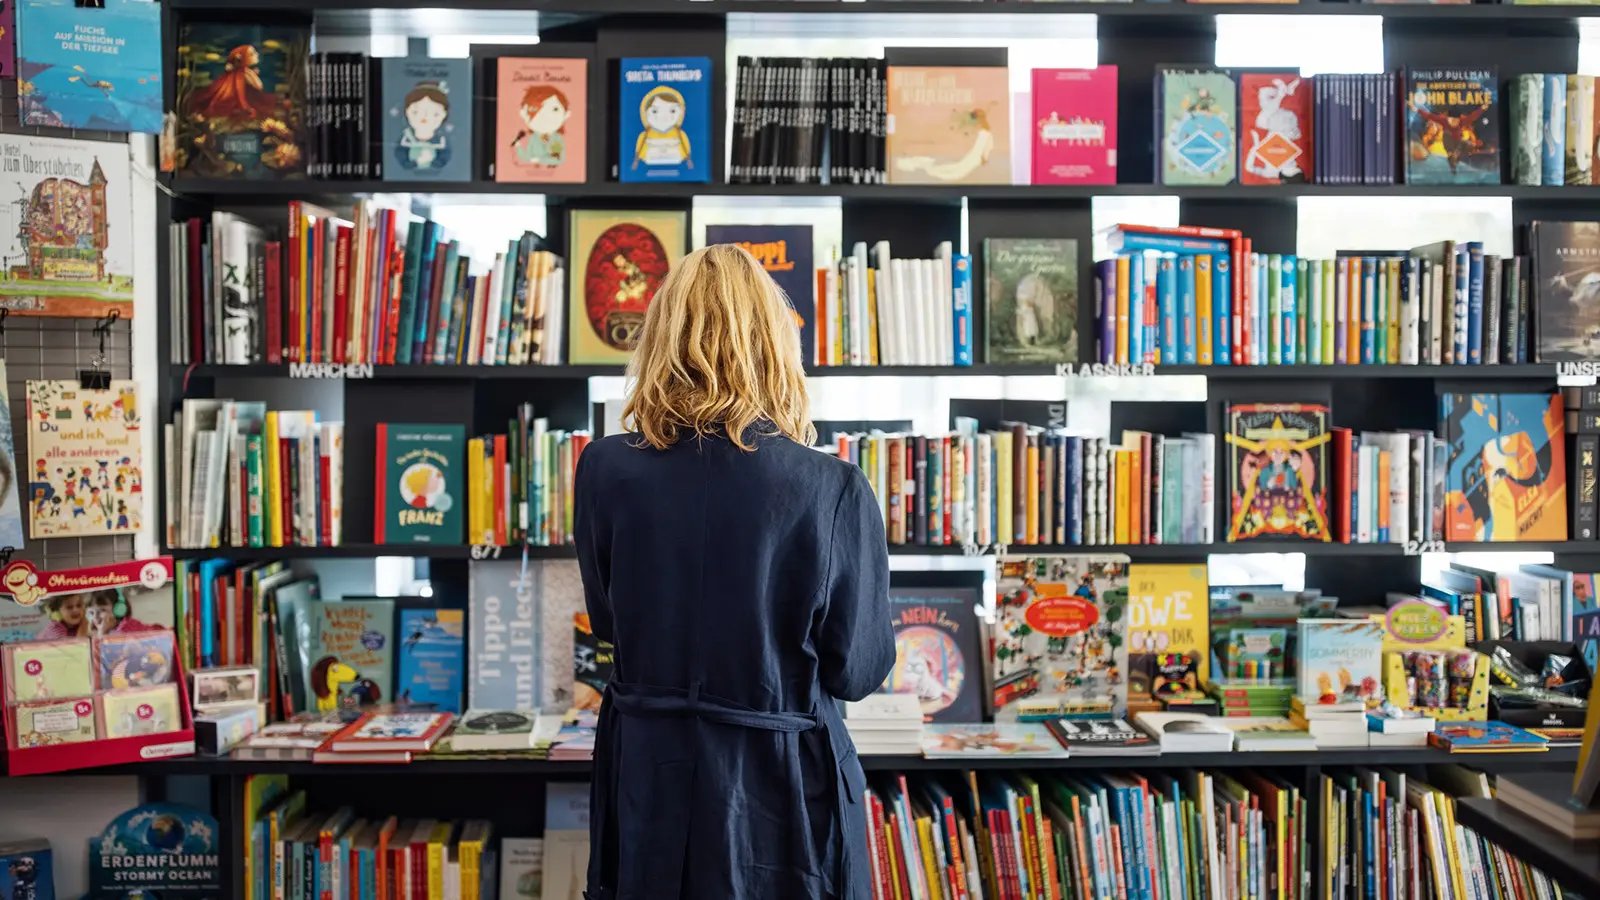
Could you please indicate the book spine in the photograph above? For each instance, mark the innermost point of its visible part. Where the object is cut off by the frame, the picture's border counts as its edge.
(1553, 168)
(1188, 346)
(961, 290)
(1475, 335)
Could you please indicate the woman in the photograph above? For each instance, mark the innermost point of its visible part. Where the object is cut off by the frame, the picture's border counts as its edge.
(743, 578)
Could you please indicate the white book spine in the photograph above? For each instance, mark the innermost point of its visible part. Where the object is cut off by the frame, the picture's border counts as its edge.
(888, 311)
(1341, 307)
(1366, 465)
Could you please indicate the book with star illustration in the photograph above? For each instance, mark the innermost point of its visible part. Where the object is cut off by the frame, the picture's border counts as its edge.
(1198, 118)
(1278, 471)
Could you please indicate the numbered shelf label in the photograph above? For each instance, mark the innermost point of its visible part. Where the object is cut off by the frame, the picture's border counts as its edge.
(485, 551)
(1417, 548)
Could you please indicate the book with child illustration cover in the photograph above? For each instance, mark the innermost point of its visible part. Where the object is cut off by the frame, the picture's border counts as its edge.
(427, 119)
(541, 119)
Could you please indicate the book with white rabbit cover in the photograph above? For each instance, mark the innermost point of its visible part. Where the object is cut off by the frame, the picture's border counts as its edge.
(938, 649)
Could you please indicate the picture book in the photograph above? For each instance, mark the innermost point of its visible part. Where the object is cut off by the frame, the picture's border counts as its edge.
(1275, 128)
(1075, 126)
(1278, 471)
(1339, 661)
(949, 125)
(353, 665)
(10, 507)
(20, 623)
(785, 253)
(1059, 647)
(541, 119)
(504, 617)
(1198, 118)
(1566, 258)
(1104, 737)
(381, 731)
(566, 840)
(1030, 300)
(665, 125)
(1585, 616)
(1506, 471)
(27, 869)
(1452, 126)
(1168, 643)
(46, 723)
(419, 491)
(618, 260)
(1180, 732)
(86, 471)
(99, 70)
(431, 653)
(157, 709)
(1000, 739)
(938, 648)
(427, 119)
(8, 42)
(166, 849)
(71, 248)
(593, 660)
(48, 670)
(1484, 737)
(521, 868)
(483, 729)
(241, 100)
(137, 659)
(1254, 655)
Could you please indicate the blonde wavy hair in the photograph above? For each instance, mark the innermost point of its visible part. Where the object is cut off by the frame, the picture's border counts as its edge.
(719, 349)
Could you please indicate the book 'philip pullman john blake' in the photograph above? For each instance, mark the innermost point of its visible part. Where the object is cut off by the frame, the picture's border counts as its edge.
(1506, 468)
(938, 654)
(619, 259)
(1198, 120)
(785, 253)
(665, 119)
(1452, 126)
(1059, 637)
(1030, 300)
(1075, 126)
(1566, 289)
(241, 100)
(1278, 471)
(419, 494)
(949, 122)
(427, 119)
(541, 119)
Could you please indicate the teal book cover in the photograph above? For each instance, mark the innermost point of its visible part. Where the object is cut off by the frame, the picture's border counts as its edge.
(90, 68)
(431, 658)
(420, 471)
(354, 665)
(427, 119)
(1199, 118)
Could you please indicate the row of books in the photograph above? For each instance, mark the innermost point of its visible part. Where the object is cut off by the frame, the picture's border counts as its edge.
(1021, 484)
(1552, 129)
(520, 484)
(1193, 295)
(1388, 487)
(237, 474)
(874, 309)
(801, 120)
(383, 287)
(1530, 602)
(1354, 138)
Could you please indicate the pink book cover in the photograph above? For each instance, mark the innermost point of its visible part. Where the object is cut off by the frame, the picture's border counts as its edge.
(8, 38)
(540, 119)
(1075, 126)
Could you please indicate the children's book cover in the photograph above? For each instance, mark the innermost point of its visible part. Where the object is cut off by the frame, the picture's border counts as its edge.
(8, 38)
(618, 261)
(666, 119)
(1168, 640)
(1484, 737)
(10, 507)
(1278, 471)
(87, 474)
(1059, 647)
(1340, 660)
(541, 119)
(241, 100)
(432, 657)
(89, 68)
(1000, 739)
(1566, 289)
(1030, 300)
(427, 119)
(136, 660)
(1075, 126)
(354, 662)
(166, 849)
(938, 650)
(1506, 469)
(157, 709)
(949, 125)
(592, 662)
(521, 868)
(49, 723)
(420, 472)
(70, 243)
(47, 670)
(784, 251)
(1275, 124)
(504, 629)
(1452, 126)
(1199, 126)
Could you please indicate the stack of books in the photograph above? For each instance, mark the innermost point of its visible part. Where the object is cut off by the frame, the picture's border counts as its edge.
(887, 724)
(1341, 724)
(1394, 727)
(1186, 732)
(384, 737)
(1271, 733)
(1268, 697)
(575, 740)
(1102, 737)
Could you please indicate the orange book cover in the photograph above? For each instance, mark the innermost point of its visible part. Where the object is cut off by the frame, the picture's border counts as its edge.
(949, 125)
(541, 120)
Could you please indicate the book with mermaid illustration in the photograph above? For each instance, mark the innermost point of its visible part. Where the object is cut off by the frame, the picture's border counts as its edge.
(949, 116)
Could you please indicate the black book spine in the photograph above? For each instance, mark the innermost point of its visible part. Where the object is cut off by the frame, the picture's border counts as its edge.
(741, 110)
(1584, 513)
(1583, 421)
(766, 74)
(921, 462)
(1526, 329)
(859, 157)
(1580, 397)
(1508, 310)
(808, 72)
(375, 118)
(879, 71)
(336, 151)
(350, 137)
(854, 96)
(1492, 324)
(783, 130)
(317, 115)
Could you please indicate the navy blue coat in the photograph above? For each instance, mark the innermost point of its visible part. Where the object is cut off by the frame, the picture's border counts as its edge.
(745, 592)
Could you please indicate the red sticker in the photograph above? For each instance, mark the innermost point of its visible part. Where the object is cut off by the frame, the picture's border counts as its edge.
(1062, 616)
(145, 711)
(33, 667)
(82, 708)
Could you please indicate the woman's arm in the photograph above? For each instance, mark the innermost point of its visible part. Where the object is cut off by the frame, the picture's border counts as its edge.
(855, 648)
(594, 551)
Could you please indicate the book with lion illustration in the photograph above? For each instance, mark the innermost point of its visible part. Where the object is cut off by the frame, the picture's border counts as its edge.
(1059, 639)
(85, 476)
(949, 122)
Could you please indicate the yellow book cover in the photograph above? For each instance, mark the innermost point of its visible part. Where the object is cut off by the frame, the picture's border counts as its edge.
(1121, 337)
(1003, 501)
(438, 839)
(1392, 274)
(872, 317)
(1123, 507)
(930, 865)
(1168, 631)
(1031, 519)
(475, 481)
(272, 493)
(1202, 308)
(1134, 441)
(617, 261)
(894, 863)
(1447, 812)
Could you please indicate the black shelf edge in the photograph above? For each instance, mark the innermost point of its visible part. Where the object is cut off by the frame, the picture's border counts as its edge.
(395, 373)
(367, 551)
(900, 193)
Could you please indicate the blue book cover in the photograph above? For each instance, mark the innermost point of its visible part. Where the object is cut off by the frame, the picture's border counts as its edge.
(427, 119)
(961, 299)
(1167, 304)
(1475, 303)
(167, 850)
(432, 655)
(1553, 169)
(1222, 306)
(1369, 310)
(1136, 279)
(1461, 340)
(1291, 311)
(666, 119)
(1188, 347)
(90, 68)
(785, 252)
(1136, 241)
(1074, 482)
(27, 870)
